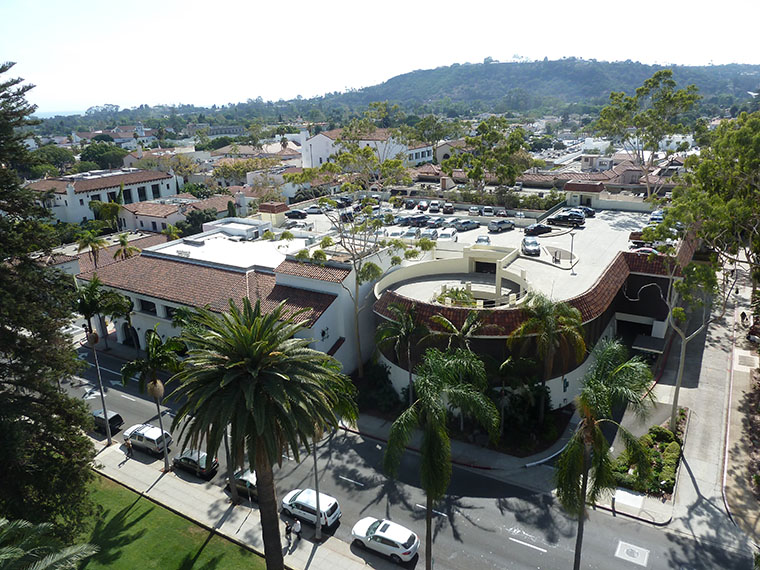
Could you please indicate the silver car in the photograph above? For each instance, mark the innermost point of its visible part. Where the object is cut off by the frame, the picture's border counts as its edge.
(530, 246)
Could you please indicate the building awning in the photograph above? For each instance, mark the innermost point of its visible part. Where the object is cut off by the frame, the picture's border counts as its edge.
(651, 344)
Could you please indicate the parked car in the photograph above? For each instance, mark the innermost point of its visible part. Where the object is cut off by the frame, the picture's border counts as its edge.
(419, 221)
(388, 538)
(410, 204)
(576, 211)
(473, 211)
(313, 209)
(148, 438)
(448, 234)
(488, 211)
(519, 214)
(295, 214)
(483, 240)
(197, 463)
(429, 233)
(530, 246)
(396, 233)
(302, 504)
(501, 213)
(466, 225)
(657, 216)
(448, 208)
(450, 222)
(422, 205)
(402, 220)
(566, 219)
(435, 207)
(245, 482)
(114, 420)
(537, 229)
(588, 210)
(411, 233)
(435, 222)
(347, 216)
(498, 226)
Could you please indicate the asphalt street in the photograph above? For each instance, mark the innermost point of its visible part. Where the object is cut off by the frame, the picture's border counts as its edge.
(482, 523)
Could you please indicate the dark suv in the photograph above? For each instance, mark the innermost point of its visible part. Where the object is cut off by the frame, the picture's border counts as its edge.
(567, 219)
(498, 226)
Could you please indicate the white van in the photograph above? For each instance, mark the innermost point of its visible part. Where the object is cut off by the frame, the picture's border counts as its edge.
(148, 438)
(302, 504)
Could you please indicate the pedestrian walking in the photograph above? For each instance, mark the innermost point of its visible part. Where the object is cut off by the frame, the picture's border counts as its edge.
(288, 531)
(130, 451)
(744, 319)
(297, 529)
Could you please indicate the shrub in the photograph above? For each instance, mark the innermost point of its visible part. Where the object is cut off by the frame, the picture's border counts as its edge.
(381, 394)
(661, 434)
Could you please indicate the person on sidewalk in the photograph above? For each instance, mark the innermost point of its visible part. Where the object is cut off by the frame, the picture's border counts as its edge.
(297, 529)
(130, 451)
(288, 531)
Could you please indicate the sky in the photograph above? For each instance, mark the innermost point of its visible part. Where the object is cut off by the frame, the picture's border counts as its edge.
(81, 53)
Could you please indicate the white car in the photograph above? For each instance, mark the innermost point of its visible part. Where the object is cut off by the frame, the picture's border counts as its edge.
(388, 538)
(396, 233)
(313, 209)
(488, 211)
(449, 234)
(148, 438)
(483, 240)
(302, 504)
(429, 233)
(474, 211)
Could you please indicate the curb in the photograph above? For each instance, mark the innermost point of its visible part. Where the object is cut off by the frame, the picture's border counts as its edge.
(634, 517)
(212, 530)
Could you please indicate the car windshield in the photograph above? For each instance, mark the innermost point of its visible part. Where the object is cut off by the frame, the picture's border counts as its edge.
(409, 541)
(373, 527)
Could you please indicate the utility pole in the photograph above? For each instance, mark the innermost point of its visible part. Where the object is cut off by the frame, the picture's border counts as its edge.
(92, 339)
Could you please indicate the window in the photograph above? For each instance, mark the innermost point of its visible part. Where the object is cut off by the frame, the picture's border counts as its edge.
(411, 156)
(416, 155)
(170, 311)
(141, 223)
(320, 160)
(141, 194)
(154, 226)
(163, 225)
(148, 307)
(81, 202)
(95, 197)
(128, 196)
(156, 191)
(112, 196)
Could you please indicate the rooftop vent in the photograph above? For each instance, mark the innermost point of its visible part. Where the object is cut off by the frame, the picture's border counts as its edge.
(183, 253)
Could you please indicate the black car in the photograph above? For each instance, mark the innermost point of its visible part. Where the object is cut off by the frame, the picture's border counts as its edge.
(295, 214)
(466, 225)
(588, 210)
(419, 220)
(537, 229)
(245, 482)
(114, 420)
(498, 226)
(410, 205)
(567, 219)
(197, 463)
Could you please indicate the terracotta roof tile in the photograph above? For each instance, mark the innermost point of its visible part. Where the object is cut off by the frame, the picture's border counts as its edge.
(313, 271)
(58, 185)
(153, 209)
(105, 256)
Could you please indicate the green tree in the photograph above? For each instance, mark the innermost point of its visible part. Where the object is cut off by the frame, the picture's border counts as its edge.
(171, 232)
(644, 121)
(160, 356)
(438, 385)
(247, 372)
(45, 455)
(84, 166)
(460, 337)
(105, 155)
(27, 546)
(92, 242)
(433, 129)
(55, 155)
(231, 213)
(612, 381)
(550, 328)
(107, 212)
(402, 331)
(43, 170)
(125, 250)
(194, 220)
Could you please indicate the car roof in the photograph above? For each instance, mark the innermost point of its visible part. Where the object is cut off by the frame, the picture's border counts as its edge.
(194, 454)
(146, 430)
(309, 497)
(393, 531)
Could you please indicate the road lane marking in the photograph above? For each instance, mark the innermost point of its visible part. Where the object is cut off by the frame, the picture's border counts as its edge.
(127, 397)
(351, 480)
(436, 512)
(527, 544)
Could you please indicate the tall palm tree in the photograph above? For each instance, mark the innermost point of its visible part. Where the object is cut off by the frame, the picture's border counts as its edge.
(94, 301)
(550, 328)
(159, 356)
(90, 240)
(612, 381)
(171, 232)
(437, 385)
(401, 332)
(460, 337)
(27, 546)
(247, 373)
(125, 250)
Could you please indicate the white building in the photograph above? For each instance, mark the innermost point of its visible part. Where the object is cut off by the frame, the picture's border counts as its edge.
(70, 196)
(318, 149)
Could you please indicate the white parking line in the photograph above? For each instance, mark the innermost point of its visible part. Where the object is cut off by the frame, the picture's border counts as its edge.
(351, 480)
(440, 514)
(527, 544)
(127, 397)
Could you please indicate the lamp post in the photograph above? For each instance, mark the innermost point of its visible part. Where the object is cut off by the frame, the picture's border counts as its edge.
(572, 240)
(92, 339)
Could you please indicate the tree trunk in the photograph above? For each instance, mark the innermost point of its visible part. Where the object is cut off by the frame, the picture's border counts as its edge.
(360, 366)
(582, 516)
(230, 471)
(429, 534)
(104, 324)
(679, 377)
(318, 525)
(102, 395)
(548, 361)
(411, 382)
(270, 521)
(161, 426)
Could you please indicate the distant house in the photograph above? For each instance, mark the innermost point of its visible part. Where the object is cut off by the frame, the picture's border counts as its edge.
(128, 136)
(68, 197)
(319, 149)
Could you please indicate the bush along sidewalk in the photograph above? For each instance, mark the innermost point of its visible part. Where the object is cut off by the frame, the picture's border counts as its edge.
(664, 451)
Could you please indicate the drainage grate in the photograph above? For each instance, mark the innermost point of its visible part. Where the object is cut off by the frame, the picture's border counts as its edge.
(632, 553)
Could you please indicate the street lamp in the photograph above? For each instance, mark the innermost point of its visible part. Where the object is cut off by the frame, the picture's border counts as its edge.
(572, 265)
(92, 339)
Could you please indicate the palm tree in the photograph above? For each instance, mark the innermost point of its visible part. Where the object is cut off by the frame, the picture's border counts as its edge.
(123, 309)
(92, 300)
(171, 232)
(550, 328)
(401, 332)
(27, 546)
(90, 240)
(611, 381)
(437, 385)
(125, 251)
(460, 337)
(246, 372)
(159, 356)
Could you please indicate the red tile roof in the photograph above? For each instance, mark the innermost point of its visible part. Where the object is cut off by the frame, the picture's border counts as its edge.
(573, 186)
(198, 286)
(58, 185)
(313, 270)
(273, 207)
(153, 209)
(105, 256)
(376, 135)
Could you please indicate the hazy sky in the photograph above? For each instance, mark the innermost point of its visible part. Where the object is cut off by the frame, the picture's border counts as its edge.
(81, 53)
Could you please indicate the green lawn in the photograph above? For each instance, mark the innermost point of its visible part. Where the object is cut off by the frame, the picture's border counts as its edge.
(133, 532)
